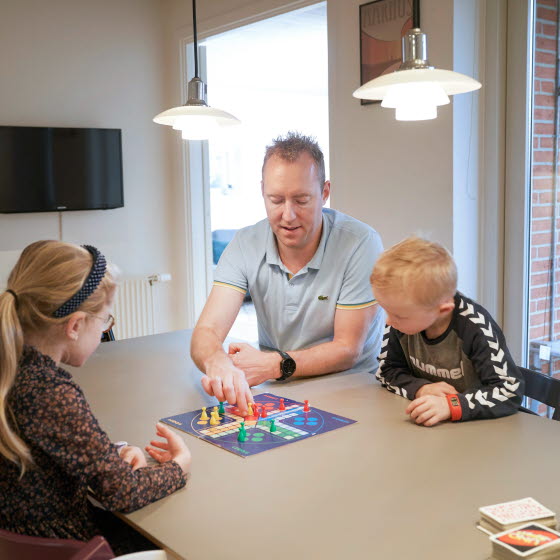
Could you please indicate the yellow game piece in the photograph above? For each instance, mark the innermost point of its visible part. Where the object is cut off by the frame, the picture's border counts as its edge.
(214, 419)
(204, 416)
(250, 409)
(216, 411)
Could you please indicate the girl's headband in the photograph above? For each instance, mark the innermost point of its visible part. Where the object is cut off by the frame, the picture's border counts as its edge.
(93, 279)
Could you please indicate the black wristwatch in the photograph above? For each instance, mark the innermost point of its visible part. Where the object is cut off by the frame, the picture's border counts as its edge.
(287, 365)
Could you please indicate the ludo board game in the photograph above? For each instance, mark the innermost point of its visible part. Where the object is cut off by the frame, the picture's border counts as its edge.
(273, 421)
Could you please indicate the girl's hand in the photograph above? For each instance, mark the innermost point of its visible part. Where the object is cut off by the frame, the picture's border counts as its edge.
(134, 456)
(174, 449)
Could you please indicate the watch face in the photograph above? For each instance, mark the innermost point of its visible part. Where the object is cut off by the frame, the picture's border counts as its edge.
(288, 366)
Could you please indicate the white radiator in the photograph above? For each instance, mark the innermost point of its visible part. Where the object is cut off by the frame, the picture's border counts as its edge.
(134, 306)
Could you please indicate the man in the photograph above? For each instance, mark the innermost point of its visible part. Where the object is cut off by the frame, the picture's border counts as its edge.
(307, 269)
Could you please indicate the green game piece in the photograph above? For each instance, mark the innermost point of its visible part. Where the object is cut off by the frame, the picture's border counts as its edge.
(272, 426)
(241, 436)
(221, 410)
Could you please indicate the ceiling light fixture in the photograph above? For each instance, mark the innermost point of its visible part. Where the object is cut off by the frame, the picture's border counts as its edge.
(416, 89)
(195, 119)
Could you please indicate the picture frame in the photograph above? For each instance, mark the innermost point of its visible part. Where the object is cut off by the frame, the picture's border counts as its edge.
(383, 23)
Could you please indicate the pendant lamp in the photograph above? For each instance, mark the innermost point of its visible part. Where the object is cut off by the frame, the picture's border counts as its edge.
(416, 89)
(195, 119)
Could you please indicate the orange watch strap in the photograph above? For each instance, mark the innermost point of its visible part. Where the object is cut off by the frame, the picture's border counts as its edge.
(454, 407)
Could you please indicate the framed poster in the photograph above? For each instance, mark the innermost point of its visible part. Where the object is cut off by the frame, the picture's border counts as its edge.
(383, 23)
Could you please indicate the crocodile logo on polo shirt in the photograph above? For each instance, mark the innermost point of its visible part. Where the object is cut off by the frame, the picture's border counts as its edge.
(323, 298)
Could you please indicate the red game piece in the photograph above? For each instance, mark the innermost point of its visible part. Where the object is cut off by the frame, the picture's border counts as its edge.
(263, 412)
(281, 407)
(306, 406)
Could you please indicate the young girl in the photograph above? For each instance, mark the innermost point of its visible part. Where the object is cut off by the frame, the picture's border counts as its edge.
(55, 309)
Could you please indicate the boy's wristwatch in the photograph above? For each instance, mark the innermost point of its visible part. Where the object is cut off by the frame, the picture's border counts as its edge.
(287, 365)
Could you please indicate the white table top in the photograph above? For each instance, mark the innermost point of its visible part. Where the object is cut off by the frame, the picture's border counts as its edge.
(380, 488)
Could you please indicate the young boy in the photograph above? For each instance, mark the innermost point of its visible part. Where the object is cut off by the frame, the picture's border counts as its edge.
(440, 349)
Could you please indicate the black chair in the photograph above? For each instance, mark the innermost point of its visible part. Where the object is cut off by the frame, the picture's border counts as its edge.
(108, 336)
(542, 388)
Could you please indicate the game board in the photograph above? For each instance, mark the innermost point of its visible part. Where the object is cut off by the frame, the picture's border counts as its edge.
(292, 424)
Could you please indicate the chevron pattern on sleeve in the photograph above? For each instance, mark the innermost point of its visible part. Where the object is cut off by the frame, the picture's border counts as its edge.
(498, 362)
(382, 357)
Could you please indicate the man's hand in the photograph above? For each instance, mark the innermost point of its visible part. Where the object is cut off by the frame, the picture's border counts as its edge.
(439, 389)
(133, 456)
(429, 410)
(258, 366)
(226, 382)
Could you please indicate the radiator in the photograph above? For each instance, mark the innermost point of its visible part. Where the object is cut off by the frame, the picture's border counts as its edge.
(134, 308)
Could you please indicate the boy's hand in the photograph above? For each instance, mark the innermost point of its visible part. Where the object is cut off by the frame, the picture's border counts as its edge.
(439, 389)
(429, 410)
(134, 456)
(174, 449)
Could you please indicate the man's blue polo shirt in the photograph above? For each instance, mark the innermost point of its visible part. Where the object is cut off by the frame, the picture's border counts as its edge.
(297, 312)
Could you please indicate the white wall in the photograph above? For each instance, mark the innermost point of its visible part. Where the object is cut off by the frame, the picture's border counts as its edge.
(395, 176)
(98, 64)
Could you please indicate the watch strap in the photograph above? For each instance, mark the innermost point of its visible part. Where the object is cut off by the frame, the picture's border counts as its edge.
(285, 355)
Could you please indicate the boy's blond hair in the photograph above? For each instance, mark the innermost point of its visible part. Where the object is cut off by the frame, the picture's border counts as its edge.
(422, 270)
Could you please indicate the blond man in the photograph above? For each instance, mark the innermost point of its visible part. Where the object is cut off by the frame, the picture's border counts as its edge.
(307, 269)
(440, 349)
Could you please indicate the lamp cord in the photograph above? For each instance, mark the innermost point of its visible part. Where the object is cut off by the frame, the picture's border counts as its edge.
(416, 14)
(195, 40)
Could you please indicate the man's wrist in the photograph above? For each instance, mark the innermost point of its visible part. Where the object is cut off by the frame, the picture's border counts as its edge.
(275, 369)
(216, 359)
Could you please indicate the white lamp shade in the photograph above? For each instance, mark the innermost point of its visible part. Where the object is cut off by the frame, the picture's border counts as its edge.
(415, 93)
(197, 127)
(196, 122)
(424, 112)
(450, 82)
(415, 101)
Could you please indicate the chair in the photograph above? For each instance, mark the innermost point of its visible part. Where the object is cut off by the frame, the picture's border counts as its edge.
(542, 388)
(108, 336)
(220, 240)
(148, 555)
(23, 547)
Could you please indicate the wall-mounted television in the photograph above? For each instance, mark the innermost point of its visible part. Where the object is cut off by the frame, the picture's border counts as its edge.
(48, 169)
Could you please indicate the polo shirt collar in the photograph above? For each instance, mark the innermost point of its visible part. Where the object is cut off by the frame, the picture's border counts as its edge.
(317, 258)
(272, 256)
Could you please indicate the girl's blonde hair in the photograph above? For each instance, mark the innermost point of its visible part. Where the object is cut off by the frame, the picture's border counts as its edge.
(47, 274)
(423, 270)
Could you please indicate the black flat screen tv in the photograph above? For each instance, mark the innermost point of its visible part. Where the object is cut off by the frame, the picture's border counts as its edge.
(47, 169)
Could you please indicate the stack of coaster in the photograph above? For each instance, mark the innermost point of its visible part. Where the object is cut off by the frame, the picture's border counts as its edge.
(530, 541)
(508, 515)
